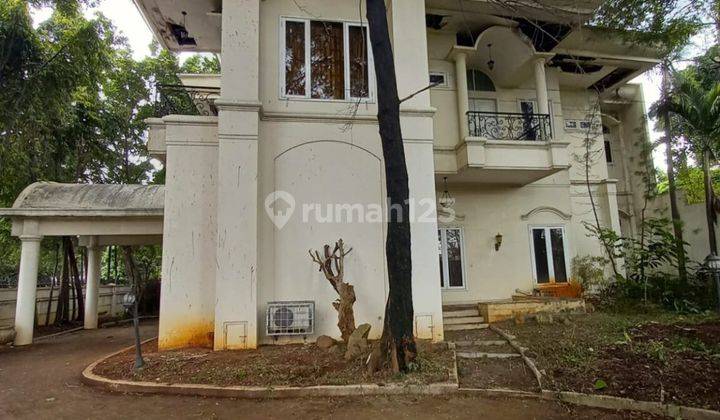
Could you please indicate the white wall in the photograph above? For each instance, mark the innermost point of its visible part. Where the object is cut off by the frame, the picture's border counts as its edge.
(109, 304)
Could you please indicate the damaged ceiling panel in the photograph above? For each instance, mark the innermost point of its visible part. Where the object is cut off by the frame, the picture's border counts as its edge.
(184, 25)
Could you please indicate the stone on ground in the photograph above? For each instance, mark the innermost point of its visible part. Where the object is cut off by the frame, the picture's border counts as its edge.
(324, 342)
(357, 343)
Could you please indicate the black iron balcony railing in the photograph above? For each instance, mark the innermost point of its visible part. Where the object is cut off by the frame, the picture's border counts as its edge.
(509, 126)
(185, 100)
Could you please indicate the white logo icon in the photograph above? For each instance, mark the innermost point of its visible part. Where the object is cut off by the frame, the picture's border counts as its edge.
(280, 206)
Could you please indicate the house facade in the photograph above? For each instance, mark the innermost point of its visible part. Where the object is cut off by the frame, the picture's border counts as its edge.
(529, 111)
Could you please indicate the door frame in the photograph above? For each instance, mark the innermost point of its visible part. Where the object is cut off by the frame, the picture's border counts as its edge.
(548, 246)
(445, 269)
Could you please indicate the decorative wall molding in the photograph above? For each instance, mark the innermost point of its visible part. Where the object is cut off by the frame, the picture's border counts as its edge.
(546, 209)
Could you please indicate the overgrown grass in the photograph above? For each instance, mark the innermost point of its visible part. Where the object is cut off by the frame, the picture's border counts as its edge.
(575, 350)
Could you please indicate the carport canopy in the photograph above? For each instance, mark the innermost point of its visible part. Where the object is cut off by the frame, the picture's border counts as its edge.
(98, 214)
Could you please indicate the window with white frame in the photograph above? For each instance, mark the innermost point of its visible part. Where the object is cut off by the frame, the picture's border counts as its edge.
(549, 255)
(451, 254)
(324, 60)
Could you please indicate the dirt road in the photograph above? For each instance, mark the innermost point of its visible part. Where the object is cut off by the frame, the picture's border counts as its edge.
(43, 381)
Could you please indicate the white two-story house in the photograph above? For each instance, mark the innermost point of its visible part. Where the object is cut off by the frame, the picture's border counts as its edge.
(498, 140)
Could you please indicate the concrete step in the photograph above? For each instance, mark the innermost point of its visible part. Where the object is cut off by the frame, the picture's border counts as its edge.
(481, 343)
(460, 313)
(460, 307)
(461, 327)
(480, 355)
(464, 320)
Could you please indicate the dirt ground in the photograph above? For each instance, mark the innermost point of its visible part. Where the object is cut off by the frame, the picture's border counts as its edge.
(487, 373)
(43, 381)
(289, 365)
(669, 359)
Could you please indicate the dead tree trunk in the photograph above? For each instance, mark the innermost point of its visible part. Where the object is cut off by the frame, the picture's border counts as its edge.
(63, 305)
(332, 265)
(396, 348)
(79, 302)
(52, 284)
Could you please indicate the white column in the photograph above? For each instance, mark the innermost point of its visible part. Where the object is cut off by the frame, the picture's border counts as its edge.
(462, 94)
(27, 289)
(416, 119)
(541, 86)
(236, 311)
(92, 288)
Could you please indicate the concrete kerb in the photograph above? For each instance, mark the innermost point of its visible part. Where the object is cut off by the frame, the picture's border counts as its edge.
(257, 392)
(602, 401)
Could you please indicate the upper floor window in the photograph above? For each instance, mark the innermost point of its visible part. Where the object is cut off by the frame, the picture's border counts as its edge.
(324, 60)
(608, 152)
(479, 81)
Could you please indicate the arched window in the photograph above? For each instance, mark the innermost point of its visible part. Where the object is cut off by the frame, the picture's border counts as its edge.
(479, 81)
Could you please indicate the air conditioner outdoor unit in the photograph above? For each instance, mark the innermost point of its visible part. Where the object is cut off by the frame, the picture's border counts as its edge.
(290, 318)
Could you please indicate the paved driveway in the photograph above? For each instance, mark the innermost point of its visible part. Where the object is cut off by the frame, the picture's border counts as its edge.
(42, 381)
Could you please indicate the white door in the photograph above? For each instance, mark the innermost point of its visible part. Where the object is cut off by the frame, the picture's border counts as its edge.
(451, 254)
(549, 254)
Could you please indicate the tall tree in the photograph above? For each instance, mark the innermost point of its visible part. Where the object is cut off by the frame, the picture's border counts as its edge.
(699, 113)
(667, 26)
(396, 348)
(667, 124)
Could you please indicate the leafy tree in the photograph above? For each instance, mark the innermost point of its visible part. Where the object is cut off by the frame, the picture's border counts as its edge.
(72, 107)
(699, 112)
(667, 26)
(201, 64)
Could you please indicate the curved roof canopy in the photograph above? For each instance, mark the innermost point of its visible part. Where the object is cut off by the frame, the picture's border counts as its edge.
(55, 199)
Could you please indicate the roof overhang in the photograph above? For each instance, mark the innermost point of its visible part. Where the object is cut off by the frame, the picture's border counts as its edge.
(201, 21)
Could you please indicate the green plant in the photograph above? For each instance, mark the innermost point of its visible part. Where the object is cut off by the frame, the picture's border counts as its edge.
(589, 271)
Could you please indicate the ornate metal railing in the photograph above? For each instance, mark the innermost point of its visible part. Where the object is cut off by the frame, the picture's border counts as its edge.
(509, 126)
(185, 100)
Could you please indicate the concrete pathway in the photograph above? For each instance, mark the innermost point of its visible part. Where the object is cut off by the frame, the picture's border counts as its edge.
(43, 381)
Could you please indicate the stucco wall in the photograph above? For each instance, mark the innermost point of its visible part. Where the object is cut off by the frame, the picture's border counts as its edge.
(187, 298)
(486, 211)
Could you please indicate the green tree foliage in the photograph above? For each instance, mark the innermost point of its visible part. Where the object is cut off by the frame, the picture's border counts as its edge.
(691, 181)
(201, 64)
(73, 104)
(666, 25)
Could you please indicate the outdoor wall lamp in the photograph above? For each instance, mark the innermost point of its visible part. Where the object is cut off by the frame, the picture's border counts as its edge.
(498, 241)
(712, 265)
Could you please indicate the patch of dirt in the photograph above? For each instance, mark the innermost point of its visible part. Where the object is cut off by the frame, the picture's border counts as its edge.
(490, 373)
(282, 365)
(705, 334)
(675, 361)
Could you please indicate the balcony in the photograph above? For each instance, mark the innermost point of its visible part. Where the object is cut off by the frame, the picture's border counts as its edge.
(185, 100)
(509, 126)
(509, 149)
(190, 106)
